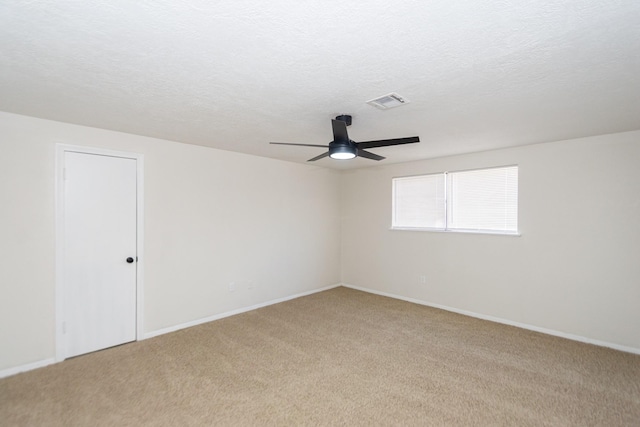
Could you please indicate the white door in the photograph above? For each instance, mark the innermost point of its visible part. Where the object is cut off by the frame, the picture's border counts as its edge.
(99, 301)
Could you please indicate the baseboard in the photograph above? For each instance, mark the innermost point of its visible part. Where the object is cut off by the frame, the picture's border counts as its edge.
(28, 367)
(503, 321)
(42, 363)
(233, 312)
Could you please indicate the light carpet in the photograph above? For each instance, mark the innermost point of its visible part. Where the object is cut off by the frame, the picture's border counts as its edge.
(339, 357)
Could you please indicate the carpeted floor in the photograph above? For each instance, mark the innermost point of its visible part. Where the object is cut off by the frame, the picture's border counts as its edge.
(340, 357)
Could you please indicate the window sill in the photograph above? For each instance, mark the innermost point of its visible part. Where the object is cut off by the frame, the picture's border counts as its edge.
(439, 230)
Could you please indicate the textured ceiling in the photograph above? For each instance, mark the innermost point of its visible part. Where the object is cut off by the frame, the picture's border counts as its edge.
(236, 75)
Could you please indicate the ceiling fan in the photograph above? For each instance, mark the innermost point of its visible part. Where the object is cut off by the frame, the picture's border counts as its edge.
(343, 148)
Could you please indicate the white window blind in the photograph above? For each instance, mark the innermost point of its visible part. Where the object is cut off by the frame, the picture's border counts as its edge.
(485, 199)
(419, 201)
(476, 200)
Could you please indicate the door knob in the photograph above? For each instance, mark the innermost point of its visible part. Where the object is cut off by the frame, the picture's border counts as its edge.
(129, 260)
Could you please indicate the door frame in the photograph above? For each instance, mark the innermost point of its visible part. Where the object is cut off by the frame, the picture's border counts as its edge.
(61, 149)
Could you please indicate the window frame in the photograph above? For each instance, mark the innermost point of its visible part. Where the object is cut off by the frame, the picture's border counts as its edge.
(446, 228)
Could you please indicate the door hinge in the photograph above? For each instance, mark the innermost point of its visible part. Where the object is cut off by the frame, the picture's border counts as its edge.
(64, 327)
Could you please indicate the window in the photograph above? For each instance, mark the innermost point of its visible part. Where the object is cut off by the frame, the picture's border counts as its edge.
(419, 201)
(483, 200)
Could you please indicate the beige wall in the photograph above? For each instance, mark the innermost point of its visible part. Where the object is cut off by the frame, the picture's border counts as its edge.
(574, 270)
(211, 217)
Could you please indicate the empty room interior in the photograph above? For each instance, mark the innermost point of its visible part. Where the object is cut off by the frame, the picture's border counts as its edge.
(320, 213)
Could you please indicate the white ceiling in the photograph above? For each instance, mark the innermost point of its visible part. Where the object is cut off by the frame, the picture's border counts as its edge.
(237, 74)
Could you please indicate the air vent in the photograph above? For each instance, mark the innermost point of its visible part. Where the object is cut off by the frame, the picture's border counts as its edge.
(388, 101)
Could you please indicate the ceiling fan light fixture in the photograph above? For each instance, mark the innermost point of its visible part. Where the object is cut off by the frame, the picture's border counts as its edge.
(341, 151)
(342, 155)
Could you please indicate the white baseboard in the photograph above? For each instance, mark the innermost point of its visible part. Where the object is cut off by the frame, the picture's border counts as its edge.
(503, 321)
(42, 363)
(233, 312)
(28, 367)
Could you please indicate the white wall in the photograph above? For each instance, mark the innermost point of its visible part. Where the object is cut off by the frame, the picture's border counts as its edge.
(574, 270)
(211, 217)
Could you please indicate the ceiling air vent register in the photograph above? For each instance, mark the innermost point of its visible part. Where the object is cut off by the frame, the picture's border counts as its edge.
(388, 101)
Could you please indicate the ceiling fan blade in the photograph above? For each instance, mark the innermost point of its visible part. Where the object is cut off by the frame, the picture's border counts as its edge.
(368, 155)
(339, 130)
(300, 145)
(388, 142)
(318, 157)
